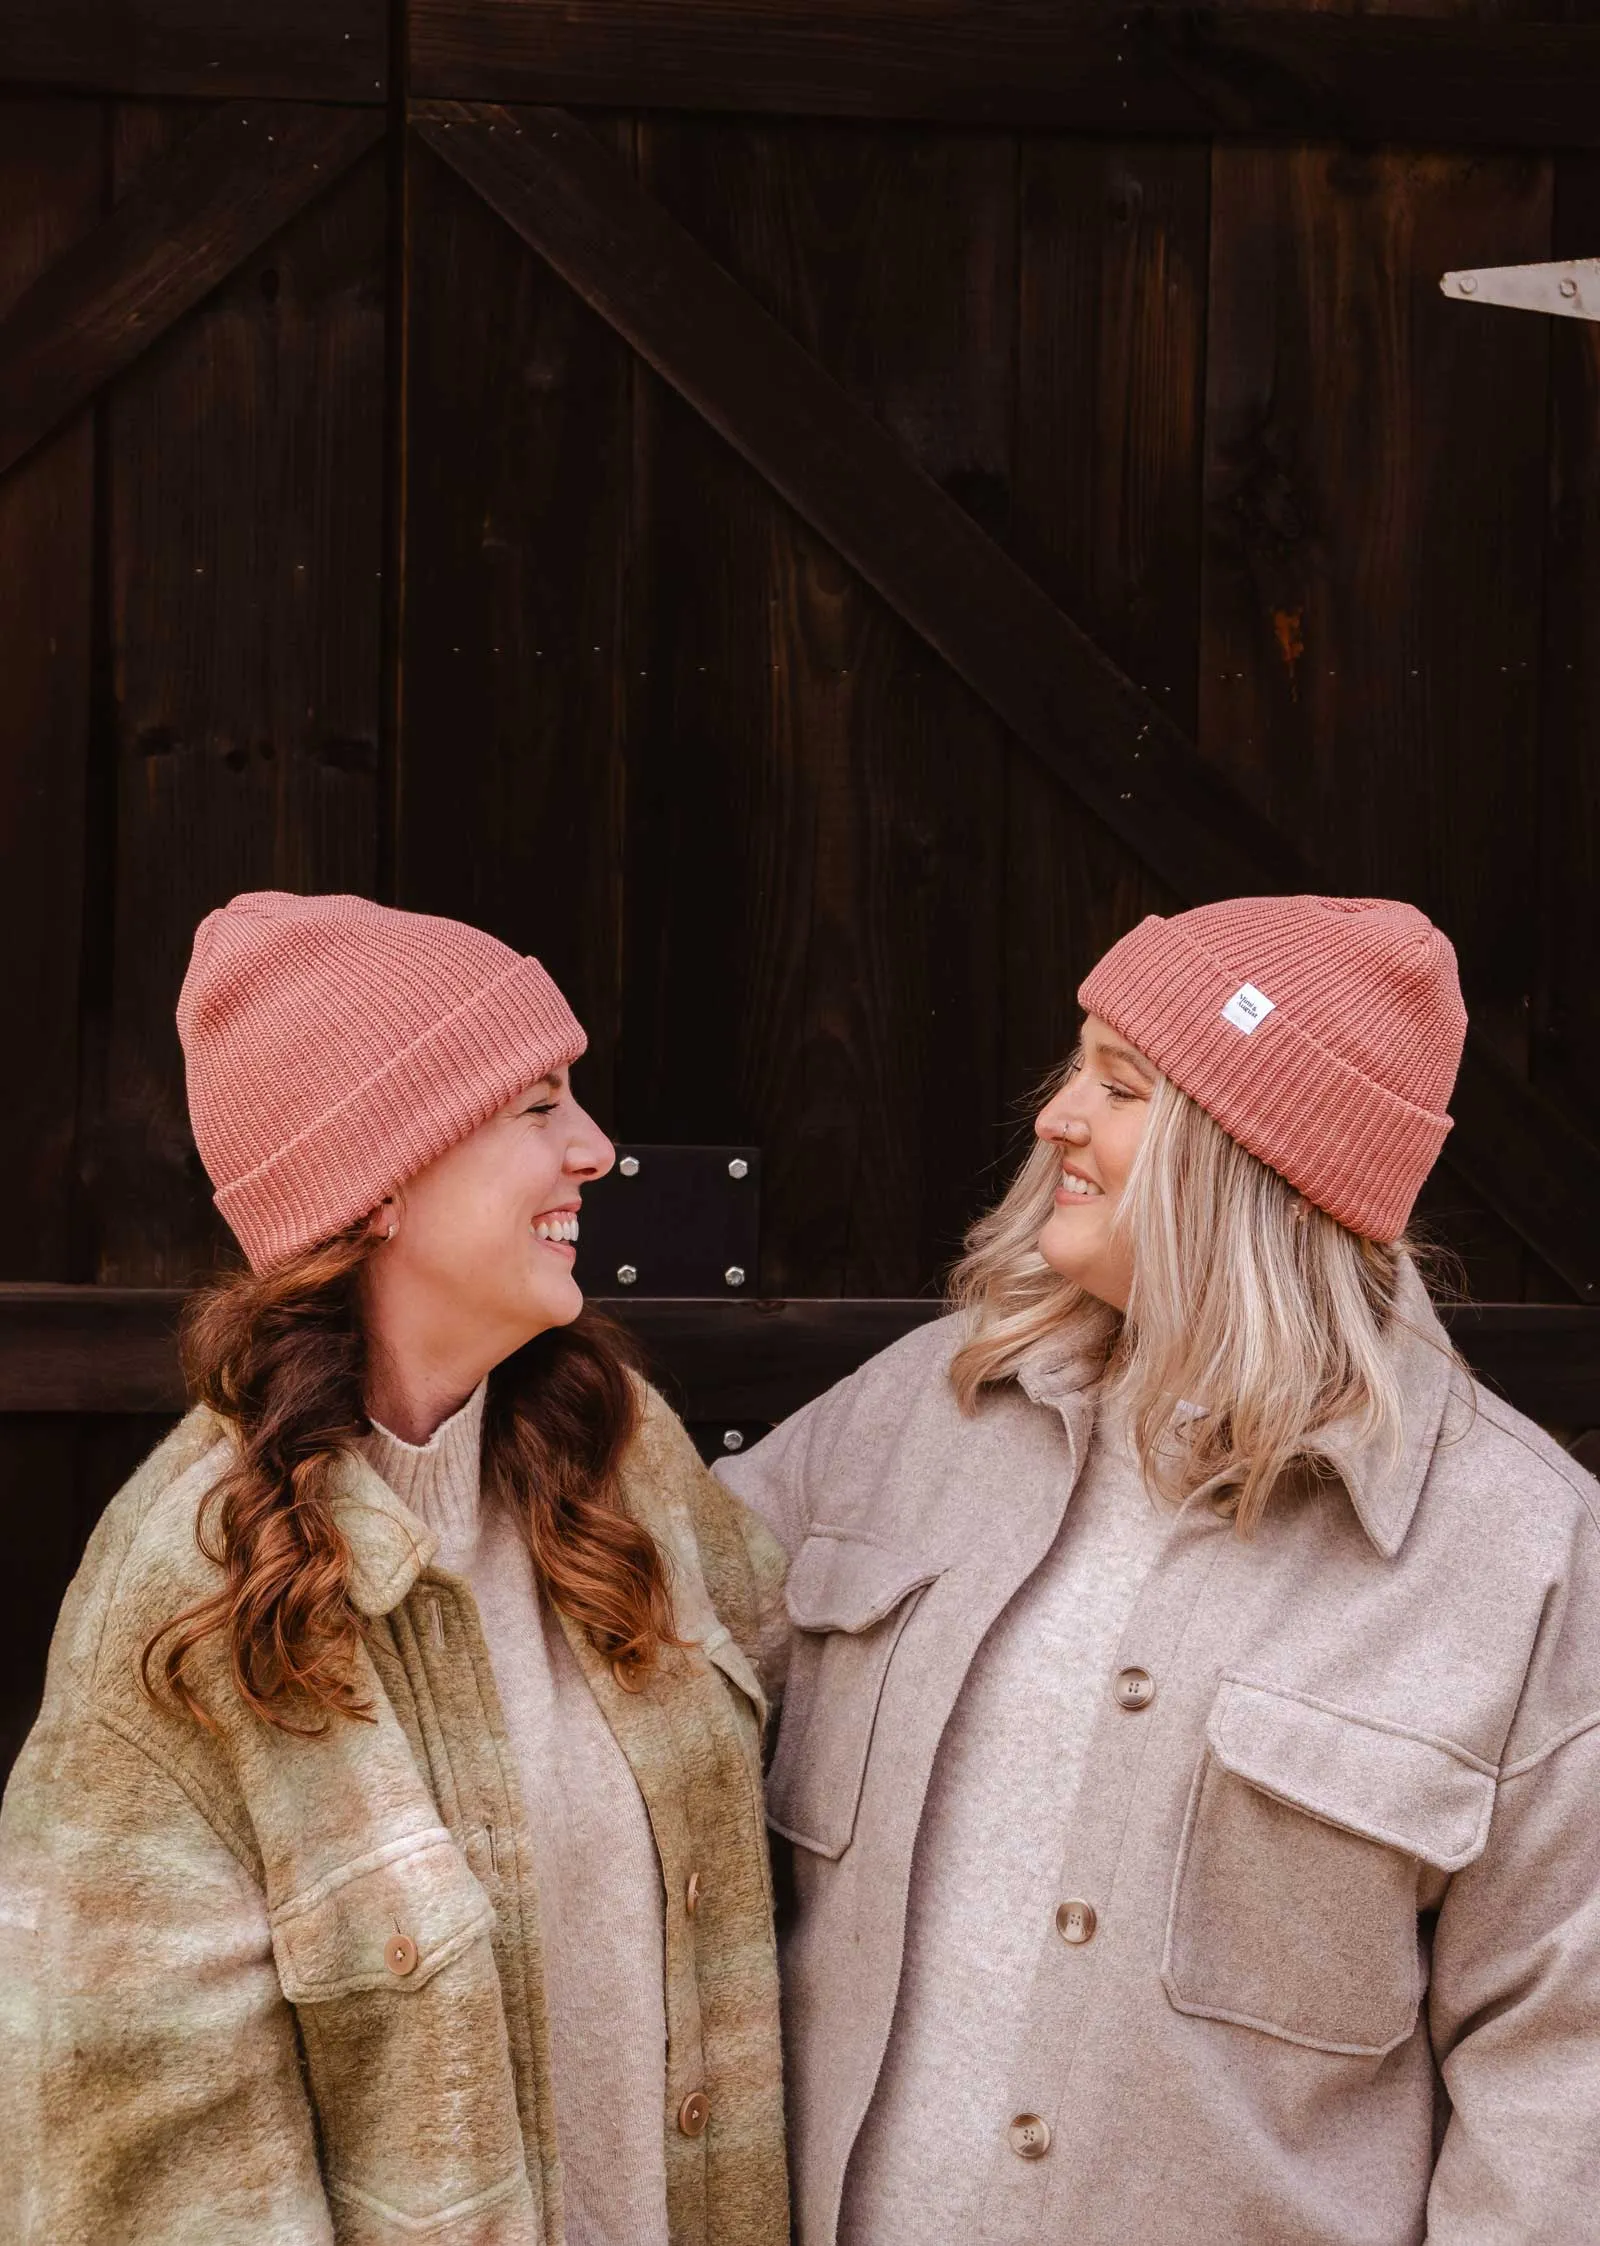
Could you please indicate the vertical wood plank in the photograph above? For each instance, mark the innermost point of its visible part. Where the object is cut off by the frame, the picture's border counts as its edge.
(1567, 1041)
(1110, 387)
(1373, 530)
(245, 478)
(511, 786)
(51, 185)
(816, 804)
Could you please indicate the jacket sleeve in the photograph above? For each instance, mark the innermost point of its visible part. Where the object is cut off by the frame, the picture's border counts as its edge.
(775, 1477)
(150, 2082)
(1515, 2012)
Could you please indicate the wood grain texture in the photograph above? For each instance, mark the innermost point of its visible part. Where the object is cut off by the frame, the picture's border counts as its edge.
(1039, 672)
(1373, 528)
(226, 188)
(51, 187)
(314, 50)
(764, 393)
(1106, 518)
(814, 861)
(519, 553)
(244, 472)
(1463, 79)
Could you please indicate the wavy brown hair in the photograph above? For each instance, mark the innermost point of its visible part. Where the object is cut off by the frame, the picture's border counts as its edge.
(280, 1357)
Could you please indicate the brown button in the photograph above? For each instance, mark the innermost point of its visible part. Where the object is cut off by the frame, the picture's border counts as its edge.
(400, 1954)
(691, 1894)
(1136, 1688)
(1076, 1922)
(1030, 2136)
(694, 2113)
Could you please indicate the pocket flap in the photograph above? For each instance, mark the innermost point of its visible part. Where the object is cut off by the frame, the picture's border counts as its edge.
(841, 1582)
(336, 1937)
(1408, 1792)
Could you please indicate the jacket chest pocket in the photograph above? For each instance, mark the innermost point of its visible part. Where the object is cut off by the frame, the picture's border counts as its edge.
(849, 1600)
(1294, 1904)
(388, 1964)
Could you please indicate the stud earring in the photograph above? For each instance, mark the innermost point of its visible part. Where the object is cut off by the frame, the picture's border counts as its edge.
(393, 1229)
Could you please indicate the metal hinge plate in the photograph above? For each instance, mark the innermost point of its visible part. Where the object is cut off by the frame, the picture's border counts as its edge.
(1570, 289)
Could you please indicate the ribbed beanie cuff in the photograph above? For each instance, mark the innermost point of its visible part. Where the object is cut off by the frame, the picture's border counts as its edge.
(1339, 1083)
(336, 1047)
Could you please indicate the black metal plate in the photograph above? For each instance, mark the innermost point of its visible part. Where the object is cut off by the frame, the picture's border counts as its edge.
(682, 1219)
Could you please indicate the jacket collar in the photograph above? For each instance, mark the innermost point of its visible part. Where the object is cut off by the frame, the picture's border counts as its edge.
(389, 1546)
(1063, 1364)
(1384, 1486)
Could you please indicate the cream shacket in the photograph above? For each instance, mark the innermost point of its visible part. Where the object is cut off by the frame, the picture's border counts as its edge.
(987, 1880)
(599, 1881)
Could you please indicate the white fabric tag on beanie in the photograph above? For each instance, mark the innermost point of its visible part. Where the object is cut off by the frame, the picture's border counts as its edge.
(1248, 1008)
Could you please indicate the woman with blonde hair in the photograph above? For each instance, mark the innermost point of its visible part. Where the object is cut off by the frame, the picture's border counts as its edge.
(1191, 1753)
(387, 1861)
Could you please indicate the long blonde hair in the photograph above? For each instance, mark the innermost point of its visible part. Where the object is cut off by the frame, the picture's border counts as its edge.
(1247, 1302)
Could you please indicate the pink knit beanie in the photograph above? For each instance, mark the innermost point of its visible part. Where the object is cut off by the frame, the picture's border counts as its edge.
(1323, 1033)
(335, 1047)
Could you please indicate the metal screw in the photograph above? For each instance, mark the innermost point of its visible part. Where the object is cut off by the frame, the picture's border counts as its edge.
(1569, 288)
(734, 1275)
(738, 1167)
(629, 1165)
(1469, 284)
(733, 1440)
(626, 1274)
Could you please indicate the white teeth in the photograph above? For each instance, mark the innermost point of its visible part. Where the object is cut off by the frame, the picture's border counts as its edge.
(557, 1228)
(1080, 1188)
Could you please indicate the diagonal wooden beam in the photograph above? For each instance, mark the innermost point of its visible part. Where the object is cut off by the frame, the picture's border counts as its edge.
(582, 210)
(575, 203)
(237, 178)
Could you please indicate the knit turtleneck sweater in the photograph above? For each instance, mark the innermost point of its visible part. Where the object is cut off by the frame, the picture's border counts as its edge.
(599, 1881)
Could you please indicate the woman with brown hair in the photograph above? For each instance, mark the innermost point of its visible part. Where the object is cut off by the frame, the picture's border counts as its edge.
(387, 1861)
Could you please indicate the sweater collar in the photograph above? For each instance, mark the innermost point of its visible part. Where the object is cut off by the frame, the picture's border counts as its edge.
(1061, 1365)
(439, 1481)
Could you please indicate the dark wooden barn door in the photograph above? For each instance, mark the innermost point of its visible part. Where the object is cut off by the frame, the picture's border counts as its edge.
(813, 520)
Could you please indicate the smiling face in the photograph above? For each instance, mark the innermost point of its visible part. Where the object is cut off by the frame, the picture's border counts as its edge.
(482, 1253)
(1097, 1119)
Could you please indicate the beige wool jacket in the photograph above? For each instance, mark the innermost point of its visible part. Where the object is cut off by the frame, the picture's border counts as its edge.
(265, 1991)
(1342, 1980)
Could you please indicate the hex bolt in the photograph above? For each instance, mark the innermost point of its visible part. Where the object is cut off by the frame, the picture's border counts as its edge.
(628, 1167)
(1469, 284)
(734, 1275)
(626, 1274)
(732, 1440)
(738, 1167)
(1569, 287)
